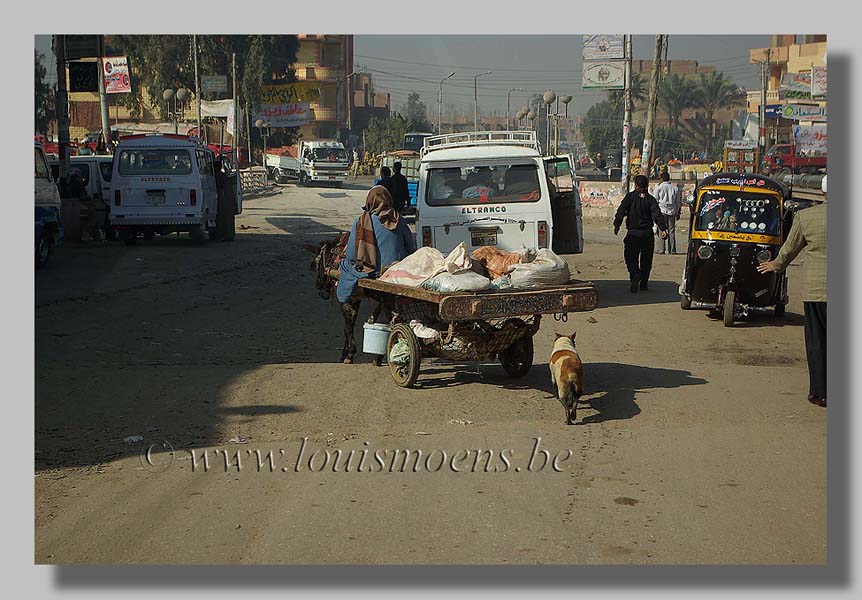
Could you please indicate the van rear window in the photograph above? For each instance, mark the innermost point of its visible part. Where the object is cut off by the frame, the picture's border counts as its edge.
(478, 184)
(155, 162)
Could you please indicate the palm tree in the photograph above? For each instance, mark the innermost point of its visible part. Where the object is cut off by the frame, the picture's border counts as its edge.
(617, 98)
(675, 94)
(699, 128)
(715, 92)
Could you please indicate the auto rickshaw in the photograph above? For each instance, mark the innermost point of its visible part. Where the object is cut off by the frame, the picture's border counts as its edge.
(737, 222)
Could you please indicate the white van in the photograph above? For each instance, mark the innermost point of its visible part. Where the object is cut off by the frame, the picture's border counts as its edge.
(162, 184)
(484, 189)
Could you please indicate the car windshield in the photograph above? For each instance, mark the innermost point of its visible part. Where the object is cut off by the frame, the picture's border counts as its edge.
(738, 212)
(333, 154)
(155, 162)
(477, 184)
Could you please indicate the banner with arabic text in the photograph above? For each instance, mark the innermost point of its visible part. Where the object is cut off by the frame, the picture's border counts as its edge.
(290, 114)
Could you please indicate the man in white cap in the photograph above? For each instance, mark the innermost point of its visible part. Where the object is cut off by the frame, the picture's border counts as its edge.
(809, 233)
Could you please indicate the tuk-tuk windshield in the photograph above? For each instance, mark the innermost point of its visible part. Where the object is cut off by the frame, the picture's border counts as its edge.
(476, 184)
(738, 212)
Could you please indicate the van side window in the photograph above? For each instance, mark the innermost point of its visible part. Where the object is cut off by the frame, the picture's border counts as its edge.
(41, 170)
(106, 169)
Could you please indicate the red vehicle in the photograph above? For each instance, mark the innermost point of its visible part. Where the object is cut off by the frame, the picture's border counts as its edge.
(782, 159)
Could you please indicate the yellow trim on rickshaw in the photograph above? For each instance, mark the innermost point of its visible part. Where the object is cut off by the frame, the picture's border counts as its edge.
(727, 236)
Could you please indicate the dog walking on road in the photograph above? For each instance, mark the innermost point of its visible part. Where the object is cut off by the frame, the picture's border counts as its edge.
(567, 374)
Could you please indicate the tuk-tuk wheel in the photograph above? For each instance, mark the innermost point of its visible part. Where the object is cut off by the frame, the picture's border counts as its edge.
(727, 313)
(779, 310)
(685, 302)
(404, 375)
(43, 251)
(518, 358)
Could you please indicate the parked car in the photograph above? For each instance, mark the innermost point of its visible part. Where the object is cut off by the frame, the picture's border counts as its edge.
(49, 227)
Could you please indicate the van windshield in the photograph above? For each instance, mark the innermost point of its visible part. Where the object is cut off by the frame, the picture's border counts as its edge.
(738, 212)
(478, 184)
(155, 162)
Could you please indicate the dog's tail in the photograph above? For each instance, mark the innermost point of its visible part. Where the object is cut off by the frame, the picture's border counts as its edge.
(570, 403)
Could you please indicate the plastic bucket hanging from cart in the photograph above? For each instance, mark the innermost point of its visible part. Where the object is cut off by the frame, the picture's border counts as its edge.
(374, 338)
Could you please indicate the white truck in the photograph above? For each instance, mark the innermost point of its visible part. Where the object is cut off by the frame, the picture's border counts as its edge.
(495, 189)
(312, 161)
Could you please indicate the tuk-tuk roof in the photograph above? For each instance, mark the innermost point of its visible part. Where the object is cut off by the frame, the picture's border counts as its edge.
(749, 180)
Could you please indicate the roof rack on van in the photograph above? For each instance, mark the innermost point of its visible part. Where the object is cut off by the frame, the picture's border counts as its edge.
(526, 139)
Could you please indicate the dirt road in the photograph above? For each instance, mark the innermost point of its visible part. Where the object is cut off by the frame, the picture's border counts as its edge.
(696, 445)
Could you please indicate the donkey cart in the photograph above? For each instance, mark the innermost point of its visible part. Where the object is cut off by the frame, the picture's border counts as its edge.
(469, 326)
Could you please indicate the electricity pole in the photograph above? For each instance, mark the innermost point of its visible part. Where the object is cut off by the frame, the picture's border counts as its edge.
(62, 106)
(627, 118)
(761, 113)
(233, 134)
(103, 96)
(649, 129)
(197, 86)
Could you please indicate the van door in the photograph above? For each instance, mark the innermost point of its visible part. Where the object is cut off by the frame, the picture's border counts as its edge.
(209, 189)
(565, 206)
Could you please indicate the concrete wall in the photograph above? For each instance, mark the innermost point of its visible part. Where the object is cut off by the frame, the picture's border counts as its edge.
(600, 199)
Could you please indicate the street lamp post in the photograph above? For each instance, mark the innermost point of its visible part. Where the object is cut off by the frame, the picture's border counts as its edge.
(548, 98)
(440, 104)
(565, 100)
(531, 116)
(508, 105)
(264, 133)
(476, 100)
(179, 97)
(338, 102)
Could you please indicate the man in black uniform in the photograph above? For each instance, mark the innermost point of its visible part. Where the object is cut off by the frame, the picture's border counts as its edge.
(401, 194)
(640, 210)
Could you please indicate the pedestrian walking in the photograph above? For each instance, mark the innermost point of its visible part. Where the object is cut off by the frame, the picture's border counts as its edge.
(400, 189)
(670, 203)
(386, 180)
(640, 210)
(808, 234)
(354, 166)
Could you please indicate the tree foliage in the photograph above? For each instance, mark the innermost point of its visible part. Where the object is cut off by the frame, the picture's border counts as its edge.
(42, 94)
(159, 62)
(416, 114)
(387, 134)
(675, 94)
(715, 92)
(617, 98)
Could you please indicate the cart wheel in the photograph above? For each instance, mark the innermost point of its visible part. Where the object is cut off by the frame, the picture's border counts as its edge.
(518, 358)
(779, 310)
(404, 375)
(685, 302)
(727, 313)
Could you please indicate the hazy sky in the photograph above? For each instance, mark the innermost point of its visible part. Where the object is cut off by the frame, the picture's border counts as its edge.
(404, 63)
(534, 63)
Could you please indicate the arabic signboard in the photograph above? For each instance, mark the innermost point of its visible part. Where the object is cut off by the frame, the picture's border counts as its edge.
(115, 70)
(216, 84)
(740, 144)
(608, 75)
(603, 46)
(290, 92)
(810, 139)
(803, 112)
(818, 81)
(287, 114)
(83, 77)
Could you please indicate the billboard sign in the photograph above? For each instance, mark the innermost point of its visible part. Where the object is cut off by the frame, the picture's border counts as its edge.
(216, 84)
(607, 75)
(603, 46)
(115, 70)
(83, 77)
(810, 139)
(818, 81)
(803, 112)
